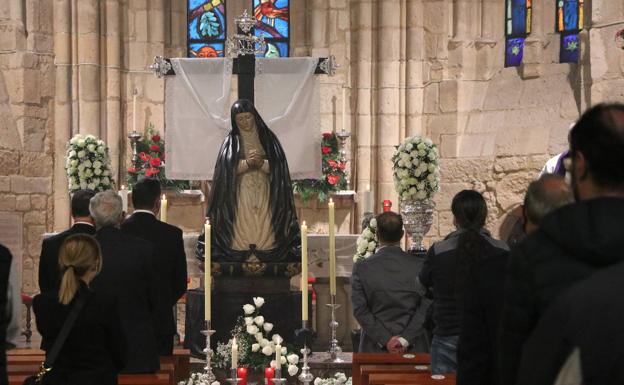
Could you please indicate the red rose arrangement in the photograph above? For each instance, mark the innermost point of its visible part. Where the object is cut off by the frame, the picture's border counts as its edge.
(334, 172)
(151, 162)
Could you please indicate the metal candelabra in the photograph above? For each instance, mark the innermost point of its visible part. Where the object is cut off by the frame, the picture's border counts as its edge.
(305, 377)
(278, 380)
(134, 140)
(342, 136)
(334, 348)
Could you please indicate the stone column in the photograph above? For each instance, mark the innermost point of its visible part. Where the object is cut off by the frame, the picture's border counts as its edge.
(318, 28)
(113, 84)
(388, 94)
(62, 109)
(414, 68)
(88, 61)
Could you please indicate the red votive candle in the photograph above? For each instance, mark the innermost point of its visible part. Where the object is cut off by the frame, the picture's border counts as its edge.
(387, 205)
(242, 374)
(269, 375)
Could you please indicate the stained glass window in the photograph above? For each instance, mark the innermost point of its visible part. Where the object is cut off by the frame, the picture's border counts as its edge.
(518, 14)
(206, 28)
(274, 24)
(569, 21)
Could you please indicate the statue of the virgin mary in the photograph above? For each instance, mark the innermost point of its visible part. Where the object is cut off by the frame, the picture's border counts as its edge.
(252, 208)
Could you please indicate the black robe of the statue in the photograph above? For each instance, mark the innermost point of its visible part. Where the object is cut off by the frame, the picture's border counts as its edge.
(223, 197)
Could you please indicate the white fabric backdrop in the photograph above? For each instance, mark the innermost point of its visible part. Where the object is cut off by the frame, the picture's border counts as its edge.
(197, 113)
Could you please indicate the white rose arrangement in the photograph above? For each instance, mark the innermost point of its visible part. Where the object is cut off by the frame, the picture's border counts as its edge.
(416, 169)
(87, 164)
(256, 343)
(367, 242)
(338, 379)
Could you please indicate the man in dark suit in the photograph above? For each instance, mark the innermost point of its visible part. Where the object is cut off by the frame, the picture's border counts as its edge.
(129, 275)
(49, 275)
(385, 296)
(170, 257)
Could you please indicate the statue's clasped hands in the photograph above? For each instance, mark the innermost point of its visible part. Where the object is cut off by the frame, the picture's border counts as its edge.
(254, 159)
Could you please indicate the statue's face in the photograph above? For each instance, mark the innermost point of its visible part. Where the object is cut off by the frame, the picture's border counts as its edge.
(245, 121)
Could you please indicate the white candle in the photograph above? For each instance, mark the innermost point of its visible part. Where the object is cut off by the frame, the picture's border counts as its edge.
(123, 193)
(332, 249)
(163, 208)
(367, 201)
(207, 271)
(278, 355)
(134, 109)
(234, 354)
(304, 272)
(344, 107)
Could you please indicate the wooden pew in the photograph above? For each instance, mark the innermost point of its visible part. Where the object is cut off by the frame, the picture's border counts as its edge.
(367, 370)
(409, 379)
(406, 363)
(124, 379)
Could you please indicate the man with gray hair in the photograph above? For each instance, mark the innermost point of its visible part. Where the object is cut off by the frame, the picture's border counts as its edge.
(543, 196)
(129, 275)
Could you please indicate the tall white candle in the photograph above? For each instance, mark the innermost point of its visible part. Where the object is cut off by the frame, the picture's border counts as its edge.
(163, 208)
(304, 272)
(234, 354)
(278, 355)
(134, 109)
(207, 271)
(344, 108)
(123, 193)
(332, 248)
(367, 201)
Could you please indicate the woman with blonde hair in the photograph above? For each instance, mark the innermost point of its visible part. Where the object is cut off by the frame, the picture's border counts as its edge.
(93, 352)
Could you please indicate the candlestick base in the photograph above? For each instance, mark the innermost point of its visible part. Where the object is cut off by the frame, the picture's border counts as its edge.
(305, 377)
(278, 381)
(233, 377)
(334, 348)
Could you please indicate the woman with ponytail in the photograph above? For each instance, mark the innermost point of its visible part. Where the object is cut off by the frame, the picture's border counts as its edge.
(449, 273)
(93, 353)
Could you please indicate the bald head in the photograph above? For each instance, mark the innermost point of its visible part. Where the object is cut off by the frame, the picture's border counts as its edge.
(543, 196)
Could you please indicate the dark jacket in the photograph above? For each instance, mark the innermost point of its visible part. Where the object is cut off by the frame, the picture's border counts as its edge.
(128, 274)
(587, 316)
(170, 266)
(49, 275)
(439, 274)
(5, 269)
(482, 304)
(386, 301)
(571, 244)
(94, 351)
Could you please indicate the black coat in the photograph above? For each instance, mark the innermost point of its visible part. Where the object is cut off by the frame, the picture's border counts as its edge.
(482, 304)
(128, 273)
(49, 274)
(386, 300)
(5, 269)
(571, 244)
(588, 316)
(94, 351)
(170, 266)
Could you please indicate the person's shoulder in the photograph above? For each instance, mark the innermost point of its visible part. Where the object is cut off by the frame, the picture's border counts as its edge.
(57, 238)
(169, 229)
(5, 252)
(43, 302)
(448, 244)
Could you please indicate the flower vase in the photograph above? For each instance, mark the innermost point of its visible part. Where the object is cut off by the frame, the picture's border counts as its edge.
(417, 219)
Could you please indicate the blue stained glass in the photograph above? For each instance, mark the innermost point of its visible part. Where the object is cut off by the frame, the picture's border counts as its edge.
(570, 48)
(514, 50)
(275, 49)
(273, 17)
(205, 50)
(519, 19)
(570, 15)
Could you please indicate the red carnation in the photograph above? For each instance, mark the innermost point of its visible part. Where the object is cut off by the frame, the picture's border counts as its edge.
(133, 170)
(151, 172)
(156, 138)
(144, 157)
(155, 147)
(155, 162)
(333, 179)
(326, 150)
(327, 135)
(332, 163)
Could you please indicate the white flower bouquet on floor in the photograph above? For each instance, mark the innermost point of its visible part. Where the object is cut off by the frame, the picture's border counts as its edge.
(367, 242)
(256, 344)
(87, 164)
(416, 169)
(338, 379)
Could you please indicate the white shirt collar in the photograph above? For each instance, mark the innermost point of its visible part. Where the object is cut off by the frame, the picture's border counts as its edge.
(84, 223)
(143, 211)
(398, 244)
